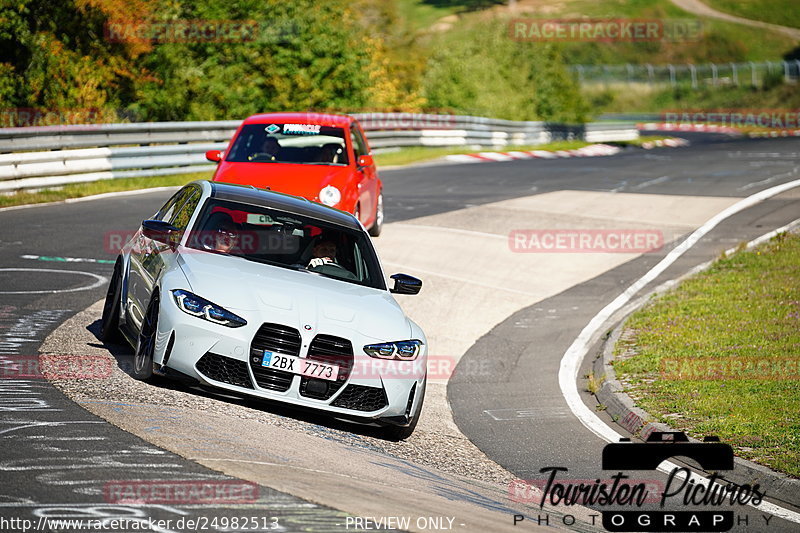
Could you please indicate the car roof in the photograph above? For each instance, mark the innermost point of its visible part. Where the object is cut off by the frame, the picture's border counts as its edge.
(248, 194)
(324, 119)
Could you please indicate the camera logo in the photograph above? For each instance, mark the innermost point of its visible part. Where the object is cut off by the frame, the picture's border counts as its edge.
(711, 454)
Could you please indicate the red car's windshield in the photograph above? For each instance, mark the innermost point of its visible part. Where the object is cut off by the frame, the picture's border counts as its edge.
(289, 143)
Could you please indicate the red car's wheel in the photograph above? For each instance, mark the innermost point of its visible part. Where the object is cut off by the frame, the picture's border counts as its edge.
(377, 226)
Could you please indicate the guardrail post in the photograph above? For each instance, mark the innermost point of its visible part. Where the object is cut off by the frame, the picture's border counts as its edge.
(734, 74)
(650, 75)
(714, 74)
(753, 74)
(671, 75)
(693, 72)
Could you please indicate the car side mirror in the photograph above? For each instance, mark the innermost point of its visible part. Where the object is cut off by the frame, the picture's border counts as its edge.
(365, 161)
(160, 231)
(214, 156)
(405, 284)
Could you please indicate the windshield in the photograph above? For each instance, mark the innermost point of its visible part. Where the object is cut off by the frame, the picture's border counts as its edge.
(286, 240)
(289, 143)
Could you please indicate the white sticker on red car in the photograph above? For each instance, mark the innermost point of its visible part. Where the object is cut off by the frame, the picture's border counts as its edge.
(301, 129)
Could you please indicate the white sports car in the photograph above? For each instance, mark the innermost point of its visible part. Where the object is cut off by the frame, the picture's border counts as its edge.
(269, 295)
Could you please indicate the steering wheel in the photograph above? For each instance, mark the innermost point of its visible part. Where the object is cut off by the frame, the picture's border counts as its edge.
(338, 270)
(260, 156)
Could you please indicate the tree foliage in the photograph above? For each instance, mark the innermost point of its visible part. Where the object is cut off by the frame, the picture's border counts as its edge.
(480, 70)
(337, 55)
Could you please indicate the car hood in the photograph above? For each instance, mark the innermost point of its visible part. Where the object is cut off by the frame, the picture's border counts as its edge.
(243, 286)
(298, 179)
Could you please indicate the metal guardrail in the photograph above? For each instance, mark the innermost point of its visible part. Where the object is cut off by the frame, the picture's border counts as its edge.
(50, 156)
(695, 75)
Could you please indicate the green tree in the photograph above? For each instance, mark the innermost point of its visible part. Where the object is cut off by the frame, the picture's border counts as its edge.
(303, 55)
(479, 69)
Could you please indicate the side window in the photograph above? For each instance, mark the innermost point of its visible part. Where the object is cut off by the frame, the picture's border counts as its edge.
(359, 146)
(168, 211)
(180, 218)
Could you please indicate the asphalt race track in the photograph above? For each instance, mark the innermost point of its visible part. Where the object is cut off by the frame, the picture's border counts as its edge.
(58, 459)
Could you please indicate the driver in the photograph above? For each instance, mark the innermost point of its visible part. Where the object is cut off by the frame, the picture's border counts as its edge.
(222, 233)
(269, 150)
(324, 252)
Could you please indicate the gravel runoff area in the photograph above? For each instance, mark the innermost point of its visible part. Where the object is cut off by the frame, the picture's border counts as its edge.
(435, 444)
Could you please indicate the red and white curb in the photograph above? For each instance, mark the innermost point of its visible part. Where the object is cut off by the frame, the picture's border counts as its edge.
(592, 150)
(673, 142)
(672, 126)
(775, 133)
(714, 128)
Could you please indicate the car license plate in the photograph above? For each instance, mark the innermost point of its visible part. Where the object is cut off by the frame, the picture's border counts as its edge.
(299, 365)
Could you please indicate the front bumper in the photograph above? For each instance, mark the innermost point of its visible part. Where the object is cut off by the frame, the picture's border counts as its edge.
(230, 359)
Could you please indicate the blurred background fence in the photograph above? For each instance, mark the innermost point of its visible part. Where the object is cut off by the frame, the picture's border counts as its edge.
(757, 74)
(49, 156)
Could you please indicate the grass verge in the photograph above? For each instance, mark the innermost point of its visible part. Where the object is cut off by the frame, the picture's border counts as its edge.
(404, 156)
(644, 98)
(79, 190)
(719, 355)
(782, 12)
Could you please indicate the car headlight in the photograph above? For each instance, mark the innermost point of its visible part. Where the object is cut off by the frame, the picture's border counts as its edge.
(403, 350)
(201, 308)
(330, 195)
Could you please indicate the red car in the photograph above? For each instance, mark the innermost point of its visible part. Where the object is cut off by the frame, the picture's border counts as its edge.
(324, 158)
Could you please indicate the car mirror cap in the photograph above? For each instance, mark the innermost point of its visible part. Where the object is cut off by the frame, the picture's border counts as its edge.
(160, 231)
(215, 156)
(405, 284)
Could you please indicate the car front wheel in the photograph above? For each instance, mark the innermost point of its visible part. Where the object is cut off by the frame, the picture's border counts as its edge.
(146, 345)
(109, 329)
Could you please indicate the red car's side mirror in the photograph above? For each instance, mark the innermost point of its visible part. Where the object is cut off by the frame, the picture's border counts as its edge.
(214, 156)
(365, 161)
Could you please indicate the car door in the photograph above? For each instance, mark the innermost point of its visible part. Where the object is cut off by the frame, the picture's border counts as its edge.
(366, 176)
(149, 257)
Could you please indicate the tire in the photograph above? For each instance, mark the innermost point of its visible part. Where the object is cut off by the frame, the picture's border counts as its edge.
(146, 344)
(109, 328)
(377, 226)
(397, 433)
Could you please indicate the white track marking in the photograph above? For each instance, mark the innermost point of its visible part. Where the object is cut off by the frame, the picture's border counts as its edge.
(451, 230)
(458, 278)
(767, 180)
(570, 363)
(99, 280)
(648, 183)
(58, 259)
(93, 197)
